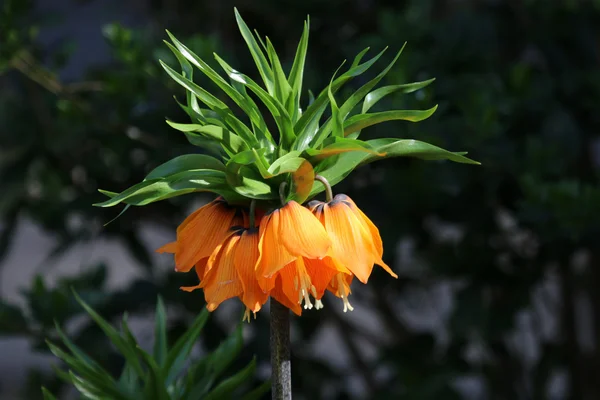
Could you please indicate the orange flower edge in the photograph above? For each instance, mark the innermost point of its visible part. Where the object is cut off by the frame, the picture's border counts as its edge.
(356, 243)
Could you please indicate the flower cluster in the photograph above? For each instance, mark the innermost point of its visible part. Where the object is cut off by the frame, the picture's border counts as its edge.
(290, 253)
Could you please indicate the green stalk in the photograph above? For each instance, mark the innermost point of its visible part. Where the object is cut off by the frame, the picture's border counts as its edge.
(281, 375)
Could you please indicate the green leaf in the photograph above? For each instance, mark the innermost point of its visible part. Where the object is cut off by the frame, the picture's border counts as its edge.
(314, 112)
(282, 87)
(286, 163)
(336, 117)
(363, 91)
(345, 163)
(146, 192)
(230, 141)
(247, 182)
(361, 121)
(372, 98)
(262, 64)
(47, 394)
(155, 383)
(259, 392)
(413, 148)
(183, 163)
(340, 145)
(214, 104)
(225, 389)
(245, 103)
(297, 72)
(113, 335)
(277, 110)
(227, 351)
(160, 333)
(181, 349)
(187, 71)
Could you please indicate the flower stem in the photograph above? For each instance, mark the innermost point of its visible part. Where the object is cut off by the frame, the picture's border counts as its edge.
(281, 376)
(328, 191)
(282, 195)
(252, 213)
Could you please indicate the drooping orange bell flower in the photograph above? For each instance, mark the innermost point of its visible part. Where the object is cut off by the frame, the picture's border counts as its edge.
(287, 233)
(292, 265)
(229, 270)
(201, 232)
(355, 240)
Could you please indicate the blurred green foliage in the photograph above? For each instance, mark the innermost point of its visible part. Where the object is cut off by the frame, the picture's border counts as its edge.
(517, 85)
(159, 374)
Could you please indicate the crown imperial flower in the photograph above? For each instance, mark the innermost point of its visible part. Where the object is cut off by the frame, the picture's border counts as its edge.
(257, 239)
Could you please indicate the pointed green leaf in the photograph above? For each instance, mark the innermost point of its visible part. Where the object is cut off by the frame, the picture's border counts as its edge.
(282, 87)
(341, 145)
(214, 104)
(146, 192)
(225, 389)
(363, 91)
(181, 349)
(113, 335)
(277, 110)
(183, 163)
(297, 72)
(227, 351)
(259, 392)
(230, 141)
(336, 118)
(47, 394)
(372, 98)
(262, 64)
(245, 103)
(316, 109)
(413, 148)
(361, 121)
(187, 71)
(160, 333)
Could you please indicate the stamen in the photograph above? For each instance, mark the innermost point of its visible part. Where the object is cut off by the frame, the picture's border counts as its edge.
(307, 303)
(247, 315)
(318, 304)
(343, 293)
(347, 305)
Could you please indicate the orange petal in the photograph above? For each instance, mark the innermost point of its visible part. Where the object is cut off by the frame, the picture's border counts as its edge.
(351, 243)
(273, 255)
(200, 267)
(200, 233)
(277, 294)
(301, 233)
(222, 281)
(370, 226)
(168, 248)
(321, 272)
(246, 255)
(296, 283)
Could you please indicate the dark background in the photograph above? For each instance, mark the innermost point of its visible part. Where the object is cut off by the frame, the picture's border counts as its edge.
(499, 265)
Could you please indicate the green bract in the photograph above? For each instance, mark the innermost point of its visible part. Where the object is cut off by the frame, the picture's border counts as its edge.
(256, 159)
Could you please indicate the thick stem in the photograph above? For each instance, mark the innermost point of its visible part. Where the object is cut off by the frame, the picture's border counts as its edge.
(281, 376)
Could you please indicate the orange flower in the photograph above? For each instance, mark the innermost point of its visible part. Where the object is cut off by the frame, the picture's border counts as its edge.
(201, 232)
(292, 264)
(287, 233)
(355, 240)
